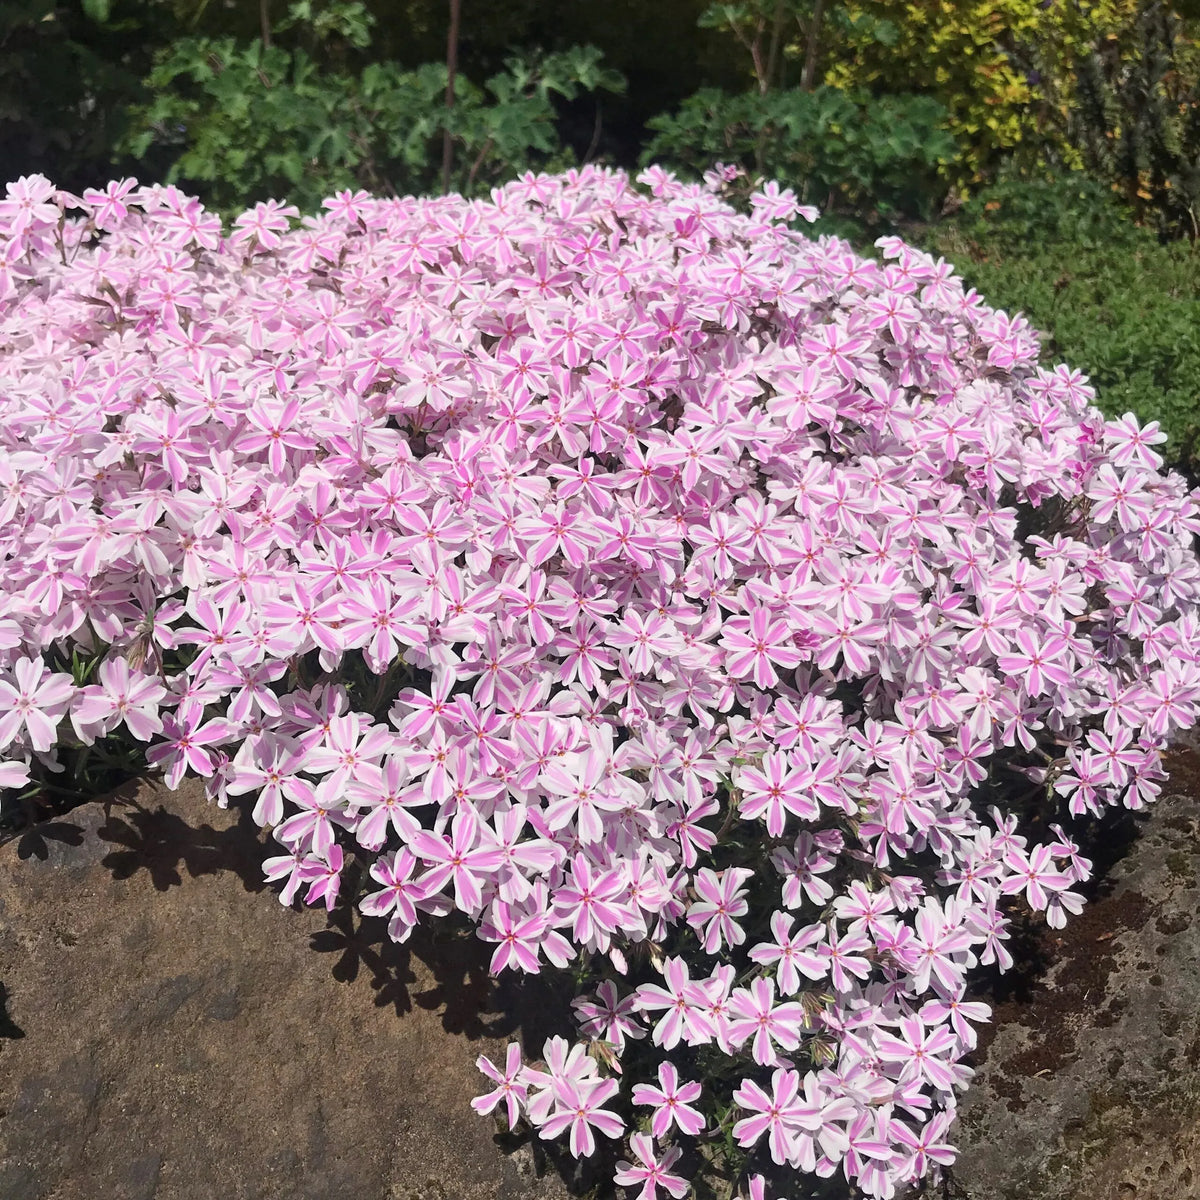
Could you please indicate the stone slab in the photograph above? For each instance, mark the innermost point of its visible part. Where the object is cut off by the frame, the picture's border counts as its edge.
(171, 1032)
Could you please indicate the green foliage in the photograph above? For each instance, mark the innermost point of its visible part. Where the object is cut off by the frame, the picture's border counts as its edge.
(1025, 215)
(766, 30)
(349, 21)
(242, 121)
(875, 159)
(867, 158)
(1137, 123)
(97, 10)
(1003, 69)
(1114, 301)
(66, 73)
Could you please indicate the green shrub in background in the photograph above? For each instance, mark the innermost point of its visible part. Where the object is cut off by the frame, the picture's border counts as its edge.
(65, 80)
(1137, 120)
(1004, 69)
(238, 122)
(865, 159)
(1112, 299)
(1018, 214)
(871, 159)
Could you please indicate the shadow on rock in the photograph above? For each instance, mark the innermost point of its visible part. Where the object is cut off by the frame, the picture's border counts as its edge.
(8, 1027)
(161, 842)
(584, 1177)
(357, 945)
(165, 844)
(471, 1002)
(35, 842)
(1034, 946)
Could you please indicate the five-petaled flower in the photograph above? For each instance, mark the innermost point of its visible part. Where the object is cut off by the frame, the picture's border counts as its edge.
(579, 1111)
(651, 1171)
(672, 1102)
(509, 1089)
(34, 700)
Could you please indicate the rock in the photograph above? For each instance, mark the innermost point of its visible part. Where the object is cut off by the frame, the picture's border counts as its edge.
(1090, 1086)
(169, 1031)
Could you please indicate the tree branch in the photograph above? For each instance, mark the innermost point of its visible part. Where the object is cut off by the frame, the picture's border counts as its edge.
(811, 43)
(451, 71)
(776, 37)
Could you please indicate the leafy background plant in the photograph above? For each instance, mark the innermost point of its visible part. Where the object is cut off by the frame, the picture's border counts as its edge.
(995, 65)
(1137, 121)
(245, 121)
(867, 159)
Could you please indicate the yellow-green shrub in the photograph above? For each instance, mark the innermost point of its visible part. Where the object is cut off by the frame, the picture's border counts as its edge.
(978, 58)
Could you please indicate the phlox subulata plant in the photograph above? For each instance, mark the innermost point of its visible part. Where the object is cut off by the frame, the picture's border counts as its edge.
(660, 591)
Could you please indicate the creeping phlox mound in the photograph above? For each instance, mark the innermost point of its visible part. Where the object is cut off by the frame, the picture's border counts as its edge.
(643, 581)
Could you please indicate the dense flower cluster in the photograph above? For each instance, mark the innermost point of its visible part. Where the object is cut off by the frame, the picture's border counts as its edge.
(718, 585)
